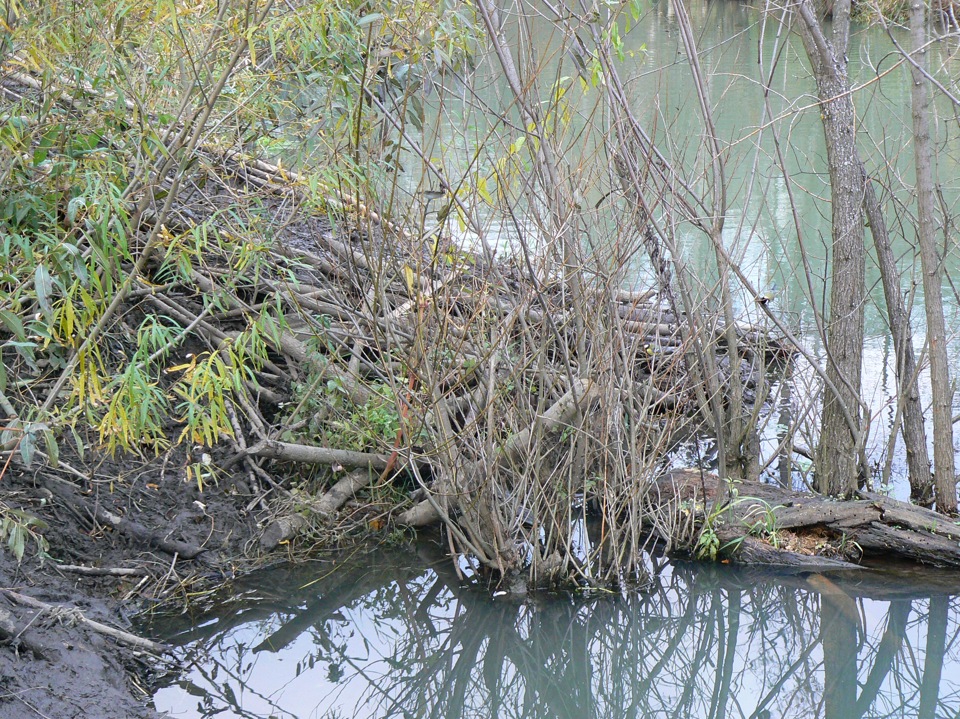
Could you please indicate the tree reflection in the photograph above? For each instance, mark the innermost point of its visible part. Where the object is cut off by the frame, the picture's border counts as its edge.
(404, 637)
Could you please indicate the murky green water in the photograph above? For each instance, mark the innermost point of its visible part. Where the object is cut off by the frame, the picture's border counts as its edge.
(397, 634)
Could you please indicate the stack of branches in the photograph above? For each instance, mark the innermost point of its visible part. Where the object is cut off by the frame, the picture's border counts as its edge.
(527, 426)
(472, 392)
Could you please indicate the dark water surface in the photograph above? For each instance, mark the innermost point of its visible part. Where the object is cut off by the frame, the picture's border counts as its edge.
(397, 634)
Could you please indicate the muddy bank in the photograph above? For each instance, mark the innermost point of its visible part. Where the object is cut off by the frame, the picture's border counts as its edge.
(76, 654)
(57, 667)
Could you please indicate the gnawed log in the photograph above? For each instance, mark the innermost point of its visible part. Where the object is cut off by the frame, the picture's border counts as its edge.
(420, 515)
(288, 452)
(285, 528)
(342, 491)
(281, 529)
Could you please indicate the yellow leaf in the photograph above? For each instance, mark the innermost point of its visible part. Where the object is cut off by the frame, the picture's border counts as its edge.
(409, 276)
(483, 192)
(181, 367)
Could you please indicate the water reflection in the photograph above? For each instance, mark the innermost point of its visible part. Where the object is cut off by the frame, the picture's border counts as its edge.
(398, 635)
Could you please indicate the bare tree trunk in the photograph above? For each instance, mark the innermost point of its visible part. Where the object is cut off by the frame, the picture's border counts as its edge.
(943, 461)
(840, 434)
(914, 433)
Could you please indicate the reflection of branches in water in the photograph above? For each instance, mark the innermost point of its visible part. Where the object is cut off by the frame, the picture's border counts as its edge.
(706, 643)
(690, 656)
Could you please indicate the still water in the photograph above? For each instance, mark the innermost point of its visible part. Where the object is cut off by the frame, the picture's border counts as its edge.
(398, 634)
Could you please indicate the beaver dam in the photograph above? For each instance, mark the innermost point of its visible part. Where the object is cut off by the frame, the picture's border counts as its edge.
(556, 292)
(340, 381)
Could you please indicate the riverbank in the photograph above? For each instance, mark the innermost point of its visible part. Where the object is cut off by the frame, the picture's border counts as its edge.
(69, 645)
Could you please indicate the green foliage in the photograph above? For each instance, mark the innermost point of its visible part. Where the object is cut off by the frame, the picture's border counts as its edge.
(329, 417)
(17, 528)
(203, 388)
(76, 158)
(760, 521)
(135, 413)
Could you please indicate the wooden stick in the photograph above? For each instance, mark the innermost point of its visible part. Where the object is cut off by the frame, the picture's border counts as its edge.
(306, 454)
(103, 571)
(74, 613)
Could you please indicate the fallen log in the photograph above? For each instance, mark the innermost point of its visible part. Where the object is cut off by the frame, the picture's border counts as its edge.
(745, 549)
(918, 546)
(288, 452)
(879, 527)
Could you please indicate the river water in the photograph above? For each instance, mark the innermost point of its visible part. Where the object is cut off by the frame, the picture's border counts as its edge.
(395, 633)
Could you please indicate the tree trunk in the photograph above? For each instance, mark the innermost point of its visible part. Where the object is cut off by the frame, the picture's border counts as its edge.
(943, 461)
(914, 432)
(840, 433)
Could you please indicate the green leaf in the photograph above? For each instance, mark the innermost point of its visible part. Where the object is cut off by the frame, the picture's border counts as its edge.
(81, 447)
(12, 323)
(74, 206)
(53, 449)
(28, 447)
(16, 541)
(371, 18)
(43, 283)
